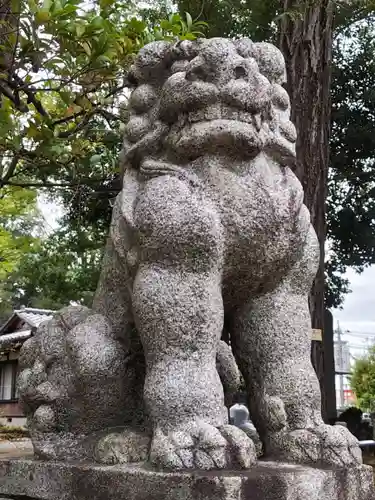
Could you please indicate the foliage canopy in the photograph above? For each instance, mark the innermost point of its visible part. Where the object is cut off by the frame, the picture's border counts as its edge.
(63, 98)
(363, 381)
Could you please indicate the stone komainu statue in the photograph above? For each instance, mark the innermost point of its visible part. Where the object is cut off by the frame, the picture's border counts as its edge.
(209, 230)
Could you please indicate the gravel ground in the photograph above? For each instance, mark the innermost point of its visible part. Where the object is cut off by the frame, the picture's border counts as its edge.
(15, 448)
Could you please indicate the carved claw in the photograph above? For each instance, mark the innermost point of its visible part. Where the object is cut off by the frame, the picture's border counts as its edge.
(202, 446)
(122, 446)
(322, 445)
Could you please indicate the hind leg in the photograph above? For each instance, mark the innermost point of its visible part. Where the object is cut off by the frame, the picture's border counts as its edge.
(272, 335)
(179, 314)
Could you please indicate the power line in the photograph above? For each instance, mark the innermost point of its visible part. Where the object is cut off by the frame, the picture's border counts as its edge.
(360, 346)
(340, 367)
(355, 332)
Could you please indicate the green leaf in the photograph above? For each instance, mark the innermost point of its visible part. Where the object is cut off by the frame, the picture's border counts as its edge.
(42, 16)
(32, 6)
(95, 159)
(86, 47)
(136, 25)
(104, 4)
(189, 21)
(66, 97)
(68, 9)
(175, 18)
(188, 36)
(97, 23)
(15, 5)
(165, 25)
(26, 45)
(200, 23)
(47, 4)
(103, 59)
(80, 30)
(176, 29)
(33, 131)
(57, 7)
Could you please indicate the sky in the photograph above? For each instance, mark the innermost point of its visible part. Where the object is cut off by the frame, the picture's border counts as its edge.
(357, 321)
(51, 213)
(358, 313)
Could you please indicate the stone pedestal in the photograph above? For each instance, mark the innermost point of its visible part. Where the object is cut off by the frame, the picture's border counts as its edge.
(31, 479)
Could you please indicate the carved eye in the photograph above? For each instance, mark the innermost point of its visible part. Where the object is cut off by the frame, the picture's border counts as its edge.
(132, 79)
(239, 72)
(196, 73)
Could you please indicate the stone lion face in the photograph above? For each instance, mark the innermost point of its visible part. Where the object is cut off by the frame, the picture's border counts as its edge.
(212, 96)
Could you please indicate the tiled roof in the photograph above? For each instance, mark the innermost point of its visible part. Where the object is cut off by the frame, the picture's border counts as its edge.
(10, 339)
(34, 317)
(31, 316)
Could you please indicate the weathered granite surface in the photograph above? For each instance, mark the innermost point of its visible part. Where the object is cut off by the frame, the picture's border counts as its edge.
(209, 232)
(28, 479)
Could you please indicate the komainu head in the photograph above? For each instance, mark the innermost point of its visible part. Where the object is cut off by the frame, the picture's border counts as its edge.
(209, 96)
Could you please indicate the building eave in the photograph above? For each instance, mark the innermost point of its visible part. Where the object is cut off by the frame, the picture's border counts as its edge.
(9, 340)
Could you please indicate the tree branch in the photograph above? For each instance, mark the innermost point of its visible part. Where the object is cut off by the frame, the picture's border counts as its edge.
(64, 185)
(10, 171)
(15, 47)
(31, 99)
(80, 126)
(13, 96)
(108, 115)
(68, 118)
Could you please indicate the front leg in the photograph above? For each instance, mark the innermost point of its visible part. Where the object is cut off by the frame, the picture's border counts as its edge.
(272, 336)
(179, 314)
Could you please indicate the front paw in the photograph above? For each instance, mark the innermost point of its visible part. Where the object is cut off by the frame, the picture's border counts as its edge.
(202, 446)
(322, 445)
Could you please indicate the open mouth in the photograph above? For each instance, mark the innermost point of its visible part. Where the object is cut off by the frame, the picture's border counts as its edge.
(225, 129)
(217, 112)
(215, 136)
(215, 128)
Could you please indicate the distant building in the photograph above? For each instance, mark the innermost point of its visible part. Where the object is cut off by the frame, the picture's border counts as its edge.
(344, 395)
(19, 327)
(342, 356)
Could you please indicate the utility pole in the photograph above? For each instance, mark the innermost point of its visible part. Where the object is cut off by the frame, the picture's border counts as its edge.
(341, 365)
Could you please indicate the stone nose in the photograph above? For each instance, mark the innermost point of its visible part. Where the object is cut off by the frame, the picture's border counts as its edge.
(238, 68)
(244, 69)
(239, 72)
(197, 69)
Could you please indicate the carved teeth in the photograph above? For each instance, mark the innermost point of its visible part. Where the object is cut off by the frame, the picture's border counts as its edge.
(217, 112)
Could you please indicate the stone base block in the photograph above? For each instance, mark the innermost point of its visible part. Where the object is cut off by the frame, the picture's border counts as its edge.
(32, 479)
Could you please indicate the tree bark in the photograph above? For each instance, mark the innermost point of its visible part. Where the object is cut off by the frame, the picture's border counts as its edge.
(8, 24)
(305, 38)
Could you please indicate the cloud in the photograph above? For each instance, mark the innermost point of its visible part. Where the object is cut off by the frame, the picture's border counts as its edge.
(358, 313)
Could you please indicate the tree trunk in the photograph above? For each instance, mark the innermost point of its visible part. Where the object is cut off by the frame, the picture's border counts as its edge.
(306, 41)
(8, 24)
